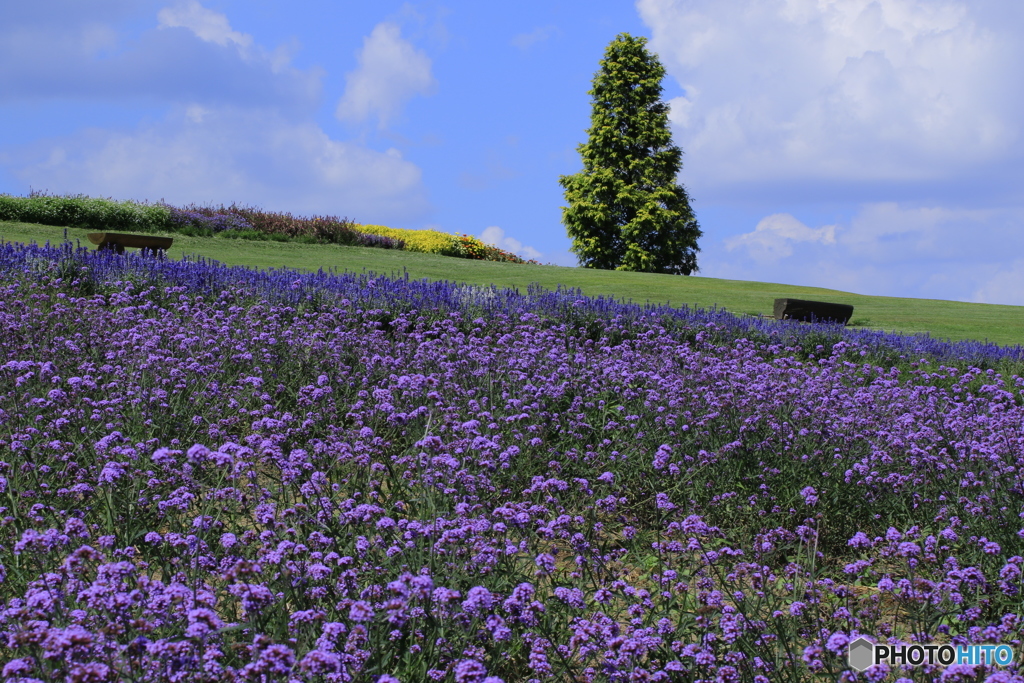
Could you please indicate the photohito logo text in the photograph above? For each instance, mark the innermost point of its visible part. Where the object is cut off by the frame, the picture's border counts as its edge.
(862, 653)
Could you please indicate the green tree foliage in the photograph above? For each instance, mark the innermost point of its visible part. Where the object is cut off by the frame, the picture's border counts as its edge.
(626, 211)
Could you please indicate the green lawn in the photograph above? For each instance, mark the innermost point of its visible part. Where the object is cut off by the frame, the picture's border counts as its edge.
(942, 319)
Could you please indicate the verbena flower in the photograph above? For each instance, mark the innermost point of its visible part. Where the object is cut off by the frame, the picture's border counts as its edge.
(258, 475)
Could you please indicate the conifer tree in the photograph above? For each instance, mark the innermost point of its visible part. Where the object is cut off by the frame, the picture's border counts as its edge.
(626, 211)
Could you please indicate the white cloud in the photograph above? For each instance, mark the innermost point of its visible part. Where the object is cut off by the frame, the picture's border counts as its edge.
(71, 13)
(525, 41)
(496, 236)
(883, 233)
(96, 37)
(485, 176)
(774, 235)
(211, 26)
(224, 155)
(1006, 286)
(904, 116)
(191, 55)
(781, 92)
(391, 71)
(886, 249)
(888, 232)
(238, 125)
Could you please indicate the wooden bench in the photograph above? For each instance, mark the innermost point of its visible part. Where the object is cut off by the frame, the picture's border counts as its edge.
(117, 241)
(812, 311)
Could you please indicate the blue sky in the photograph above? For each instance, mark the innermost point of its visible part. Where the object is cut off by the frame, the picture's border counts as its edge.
(871, 146)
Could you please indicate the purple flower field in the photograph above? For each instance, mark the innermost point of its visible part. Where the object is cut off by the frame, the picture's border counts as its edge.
(217, 474)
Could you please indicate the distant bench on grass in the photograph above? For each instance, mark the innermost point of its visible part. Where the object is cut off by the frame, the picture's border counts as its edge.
(117, 241)
(812, 311)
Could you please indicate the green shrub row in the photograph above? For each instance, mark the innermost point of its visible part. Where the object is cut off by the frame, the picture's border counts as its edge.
(80, 211)
(238, 222)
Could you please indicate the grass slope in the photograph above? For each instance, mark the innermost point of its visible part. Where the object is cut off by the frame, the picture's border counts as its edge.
(943, 319)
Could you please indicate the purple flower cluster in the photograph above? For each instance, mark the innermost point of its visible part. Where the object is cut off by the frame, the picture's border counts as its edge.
(212, 220)
(252, 222)
(215, 474)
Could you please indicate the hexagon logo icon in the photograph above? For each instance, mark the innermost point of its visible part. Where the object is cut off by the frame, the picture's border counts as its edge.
(861, 654)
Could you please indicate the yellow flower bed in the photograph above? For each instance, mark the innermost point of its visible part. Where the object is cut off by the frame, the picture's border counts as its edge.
(426, 241)
(436, 242)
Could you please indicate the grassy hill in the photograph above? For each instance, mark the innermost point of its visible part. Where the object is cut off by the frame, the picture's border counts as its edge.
(942, 319)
